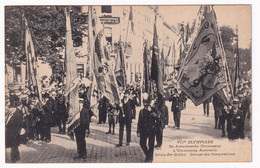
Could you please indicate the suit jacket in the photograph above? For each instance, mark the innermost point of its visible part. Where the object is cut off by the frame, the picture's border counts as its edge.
(176, 101)
(13, 127)
(148, 121)
(164, 116)
(127, 111)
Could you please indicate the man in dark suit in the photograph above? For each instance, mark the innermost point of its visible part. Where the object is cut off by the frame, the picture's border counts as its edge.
(80, 131)
(176, 106)
(14, 123)
(125, 119)
(146, 127)
(102, 107)
(237, 121)
(61, 114)
(163, 119)
(46, 119)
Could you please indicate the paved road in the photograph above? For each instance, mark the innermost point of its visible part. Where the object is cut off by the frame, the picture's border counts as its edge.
(101, 147)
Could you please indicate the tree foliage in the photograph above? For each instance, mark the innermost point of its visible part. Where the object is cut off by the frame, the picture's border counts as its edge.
(48, 28)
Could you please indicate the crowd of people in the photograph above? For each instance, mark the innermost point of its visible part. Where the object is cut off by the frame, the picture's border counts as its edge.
(33, 117)
(24, 111)
(231, 117)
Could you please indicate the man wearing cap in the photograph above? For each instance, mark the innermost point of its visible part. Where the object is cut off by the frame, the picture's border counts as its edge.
(177, 105)
(146, 127)
(163, 119)
(125, 119)
(236, 121)
(46, 118)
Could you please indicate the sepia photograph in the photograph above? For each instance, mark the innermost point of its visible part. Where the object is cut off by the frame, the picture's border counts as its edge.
(127, 83)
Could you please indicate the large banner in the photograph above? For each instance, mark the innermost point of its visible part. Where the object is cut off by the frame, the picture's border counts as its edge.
(31, 63)
(203, 72)
(103, 73)
(72, 82)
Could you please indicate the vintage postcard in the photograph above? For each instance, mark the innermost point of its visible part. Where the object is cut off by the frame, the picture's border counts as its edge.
(128, 84)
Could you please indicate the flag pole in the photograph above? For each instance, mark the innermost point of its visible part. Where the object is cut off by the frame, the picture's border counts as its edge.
(227, 76)
(127, 32)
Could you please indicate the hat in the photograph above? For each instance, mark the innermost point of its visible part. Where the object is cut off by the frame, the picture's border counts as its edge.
(236, 101)
(23, 96)
(240, 95)
(18, 93)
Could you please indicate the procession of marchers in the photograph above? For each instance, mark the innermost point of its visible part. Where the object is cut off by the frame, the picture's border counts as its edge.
(70, 100)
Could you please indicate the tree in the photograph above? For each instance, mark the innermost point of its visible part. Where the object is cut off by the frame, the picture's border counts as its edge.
(227, 35)
(47, 24)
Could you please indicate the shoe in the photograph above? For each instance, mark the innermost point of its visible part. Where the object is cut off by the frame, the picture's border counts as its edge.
(99, 123)
(223, 135)
(109, 132)
(156, 146)
(127, 144)
(119, 145)
(77, 157)
(178, 128)
(113, 133)
(84, 156)
(47, 140)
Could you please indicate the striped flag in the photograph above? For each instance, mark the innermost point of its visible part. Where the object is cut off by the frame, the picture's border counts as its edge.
(72, 81)
(105, 78)
(204, 70)
(31, 63)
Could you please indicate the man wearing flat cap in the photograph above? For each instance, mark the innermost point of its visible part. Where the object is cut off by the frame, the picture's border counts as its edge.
(146, 127)
(125, 119)
(236, 121)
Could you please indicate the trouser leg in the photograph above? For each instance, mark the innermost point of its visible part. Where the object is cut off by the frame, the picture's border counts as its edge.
(151, 146)
(121, 132)
(80, 140)
(48, 132)
(159, 136)
(178, 118)
(143, 140)
(207, 108)
(15, 155)
(128, 132)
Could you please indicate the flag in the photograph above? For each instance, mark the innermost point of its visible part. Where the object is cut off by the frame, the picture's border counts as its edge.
(156, 72)
(163, 66)
(31, 63)
(93, 94)
(103, 74)
(203, 72)
(131, 19)
(187, 33)
(237, 73)
(120, 66)
(147, 66)
(72, 82)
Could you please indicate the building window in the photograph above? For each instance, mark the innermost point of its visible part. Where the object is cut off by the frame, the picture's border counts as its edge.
(80, 70)
(17, 74)
(106, 9)
(108, 34)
